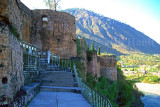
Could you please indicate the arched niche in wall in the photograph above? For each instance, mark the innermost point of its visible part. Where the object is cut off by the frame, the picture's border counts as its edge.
(4, 80)
(45, 20)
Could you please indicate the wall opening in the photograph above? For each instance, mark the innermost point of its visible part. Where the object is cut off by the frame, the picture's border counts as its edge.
(4, 80)
(45, 20)
(1, 65)
(58, 40)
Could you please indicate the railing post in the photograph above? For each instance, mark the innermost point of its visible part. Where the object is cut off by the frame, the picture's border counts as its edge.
(59, 61)
(62, 63)
(52, 60)
(70, 64)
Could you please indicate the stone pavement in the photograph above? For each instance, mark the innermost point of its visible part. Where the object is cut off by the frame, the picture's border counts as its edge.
(59, 99)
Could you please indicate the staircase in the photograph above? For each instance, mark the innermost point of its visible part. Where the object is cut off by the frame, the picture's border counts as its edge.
(54, 79)
(45, 66)
(58, 88)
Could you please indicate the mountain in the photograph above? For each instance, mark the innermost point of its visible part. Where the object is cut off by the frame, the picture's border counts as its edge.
(113, 36)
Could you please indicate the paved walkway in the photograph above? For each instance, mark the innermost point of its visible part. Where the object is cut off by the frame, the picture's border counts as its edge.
(59, 99)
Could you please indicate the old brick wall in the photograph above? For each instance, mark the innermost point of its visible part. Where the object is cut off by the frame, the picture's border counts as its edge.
(55, 31)
(108, 66)
(15, 13)
(11, 65)
(58, 35)
(11, 14)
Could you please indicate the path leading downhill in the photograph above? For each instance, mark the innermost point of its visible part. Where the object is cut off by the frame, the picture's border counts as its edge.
(59, 99)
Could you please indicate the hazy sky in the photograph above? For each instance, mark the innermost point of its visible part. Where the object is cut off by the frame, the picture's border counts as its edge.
(143, 15)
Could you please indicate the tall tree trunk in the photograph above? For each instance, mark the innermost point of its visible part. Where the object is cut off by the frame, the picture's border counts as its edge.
(55, 5)
(49, 4)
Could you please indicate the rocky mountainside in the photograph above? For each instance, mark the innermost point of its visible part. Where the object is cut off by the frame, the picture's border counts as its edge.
(113, 36)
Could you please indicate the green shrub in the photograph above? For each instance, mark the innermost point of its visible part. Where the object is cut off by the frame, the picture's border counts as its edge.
(79, 48)
(90, 80)
(108, 89)
(125, 90)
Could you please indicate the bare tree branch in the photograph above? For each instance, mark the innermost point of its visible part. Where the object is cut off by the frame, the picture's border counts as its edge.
(52, 4)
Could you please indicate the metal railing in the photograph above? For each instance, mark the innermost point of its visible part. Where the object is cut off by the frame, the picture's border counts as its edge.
(92, 96)
(54, 59)
(33, 57)
(30, 57)
(65, 64)
(31, 60)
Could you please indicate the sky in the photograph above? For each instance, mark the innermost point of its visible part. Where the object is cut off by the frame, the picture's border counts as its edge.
(143, 15)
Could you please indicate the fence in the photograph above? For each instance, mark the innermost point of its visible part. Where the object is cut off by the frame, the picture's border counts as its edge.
(33, 58)
(91, 95)
(30, 57)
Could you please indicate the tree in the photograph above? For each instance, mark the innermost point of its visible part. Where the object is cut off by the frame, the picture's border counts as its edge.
(92, 47)
(99, 50)
(52, 4)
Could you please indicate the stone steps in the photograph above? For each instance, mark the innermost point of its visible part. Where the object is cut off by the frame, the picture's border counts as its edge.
(55, 80)
(57, 73)
(58, 81)
(59, 89)
(60, 84)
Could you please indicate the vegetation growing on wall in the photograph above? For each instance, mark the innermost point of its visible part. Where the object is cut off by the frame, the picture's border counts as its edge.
(14, 32)
(79, 48)
(120, 93)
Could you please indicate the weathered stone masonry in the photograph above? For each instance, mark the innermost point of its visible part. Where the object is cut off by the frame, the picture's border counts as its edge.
(55, 31)
(99, 65)
(15, 13)
(11, 65)
(18, 22)
(108, 66)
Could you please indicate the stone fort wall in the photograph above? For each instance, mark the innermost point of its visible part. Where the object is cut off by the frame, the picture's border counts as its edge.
(105, 65)
(55, 31)
(16, 14)
(18, 22)
(11, 65)
(108, 66)
(57, 34)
